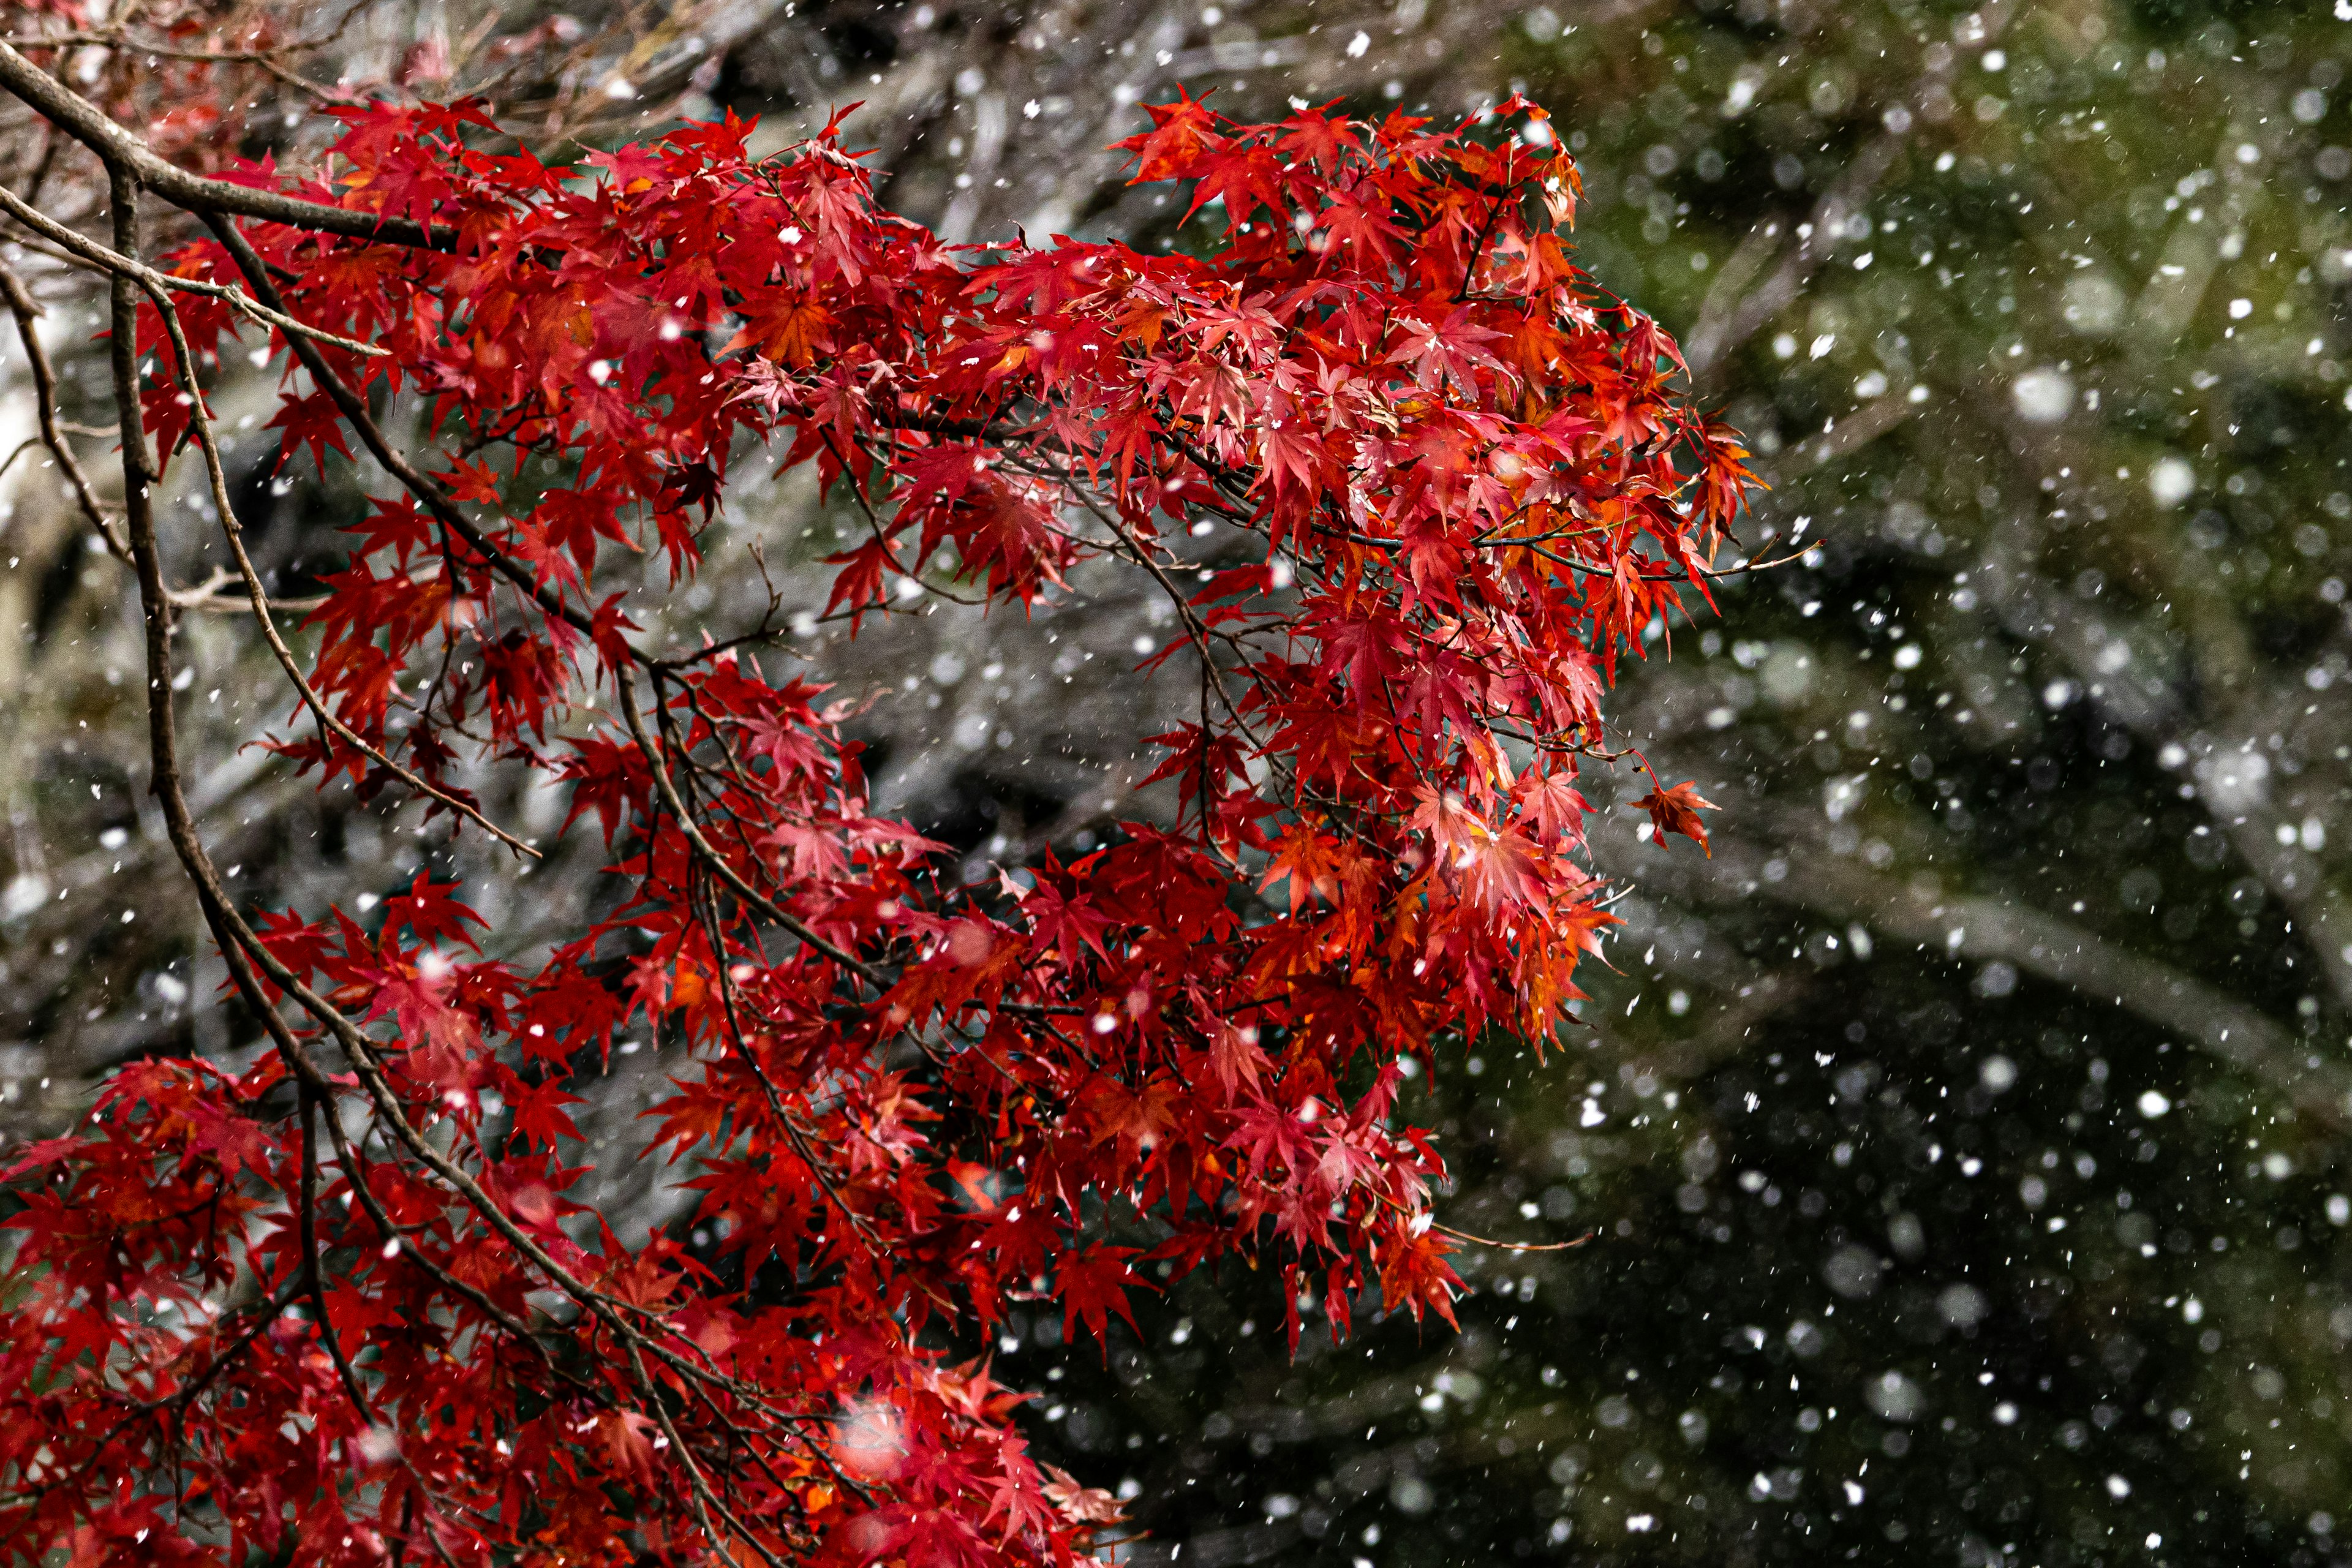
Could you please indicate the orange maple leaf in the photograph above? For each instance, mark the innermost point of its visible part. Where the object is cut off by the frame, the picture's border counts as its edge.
(1676, 810)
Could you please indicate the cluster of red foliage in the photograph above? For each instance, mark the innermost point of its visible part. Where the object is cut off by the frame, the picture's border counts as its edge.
(345, 1305)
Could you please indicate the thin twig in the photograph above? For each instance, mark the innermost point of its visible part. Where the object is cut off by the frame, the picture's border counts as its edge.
(201, 424)
(124, 153)
(96, 255)
(44, 404)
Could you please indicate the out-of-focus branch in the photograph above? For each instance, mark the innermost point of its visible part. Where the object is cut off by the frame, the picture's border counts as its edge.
(82, 119)
(270, 61)
(1986, 926)
(1733, 312)
(1843, 437)
(2231, 700)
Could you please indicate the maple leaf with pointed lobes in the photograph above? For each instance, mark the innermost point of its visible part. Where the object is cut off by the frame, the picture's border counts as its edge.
(429, 1026)
(1360, 232)
(1291, 458)
(692, 484)
(538, 1112)
(1008, 541)
(1242, 180)
(314, 422)
(1070, 923)
(428, 912)
(1500, 868)
(1306, 858)
(1455, 347)
(1315, 136)
(1181, 133)
(1676, 810)
(858, 586)
(1554, 804)
(1093, 1285)
(1235, 1054)
(1014, 1495)
(1415, 1276)
(788, 331)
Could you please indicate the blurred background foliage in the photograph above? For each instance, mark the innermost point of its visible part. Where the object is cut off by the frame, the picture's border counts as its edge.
(1962, 1144)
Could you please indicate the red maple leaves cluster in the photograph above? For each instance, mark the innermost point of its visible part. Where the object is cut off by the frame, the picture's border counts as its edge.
(345, 1304)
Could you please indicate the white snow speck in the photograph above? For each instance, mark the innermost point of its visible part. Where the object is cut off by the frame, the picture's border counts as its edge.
(2044, 396)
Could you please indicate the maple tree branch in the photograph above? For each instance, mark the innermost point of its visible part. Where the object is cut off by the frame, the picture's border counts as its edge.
(165, 783)
(765, 632)
(89, 252)
(1478, 248)
(635, 715)
(355, 411)
(737, 1432)
(200, 422)
(177, 1402)
(1197, 630)
(423, 1044)
(1444, 1229)
(26, 311)
(308, 1238)
(179, 1399)
(270, 61)
(370, 1067)
(237, 938)
(707, 911)
(355, 1174)
(859, 1224)
(139, 470)
(873, 522)
(354, 1169)
(1727, 318)
(611, 1311)
(127, 156)
(22, 307)
(600, 1305)
(700, 1491)
(207, 598)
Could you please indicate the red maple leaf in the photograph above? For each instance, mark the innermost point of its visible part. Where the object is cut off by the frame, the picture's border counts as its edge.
(896, 1098)
(1093, 1285)
(1676, 810)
